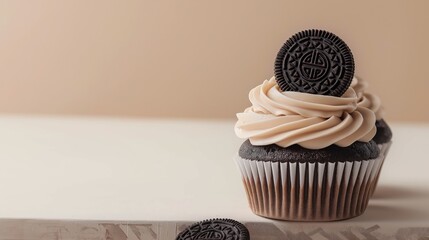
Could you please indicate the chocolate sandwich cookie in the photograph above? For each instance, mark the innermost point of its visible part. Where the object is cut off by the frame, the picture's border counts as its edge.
(314, 61)
(215, 229)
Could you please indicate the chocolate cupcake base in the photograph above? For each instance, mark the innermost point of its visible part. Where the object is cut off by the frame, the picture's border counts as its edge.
(306, 191)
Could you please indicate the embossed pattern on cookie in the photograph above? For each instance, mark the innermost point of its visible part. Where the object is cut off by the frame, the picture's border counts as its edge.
(221, 229)
(314, 61)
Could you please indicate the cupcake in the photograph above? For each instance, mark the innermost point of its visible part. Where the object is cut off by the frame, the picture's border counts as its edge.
(383, 137)
(308, 153)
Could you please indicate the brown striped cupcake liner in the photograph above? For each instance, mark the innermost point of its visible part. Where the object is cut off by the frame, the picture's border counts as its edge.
(384, 150)
(308, 191)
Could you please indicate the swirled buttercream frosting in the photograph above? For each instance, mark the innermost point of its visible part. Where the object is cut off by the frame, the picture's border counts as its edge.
(309, 120)
(367, 100)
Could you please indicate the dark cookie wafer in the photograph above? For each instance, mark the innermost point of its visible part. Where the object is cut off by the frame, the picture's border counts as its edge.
(215, 229)
(314, 61)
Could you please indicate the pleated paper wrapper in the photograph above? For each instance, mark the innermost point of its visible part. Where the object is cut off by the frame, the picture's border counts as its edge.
(384, 150)
(309, 191)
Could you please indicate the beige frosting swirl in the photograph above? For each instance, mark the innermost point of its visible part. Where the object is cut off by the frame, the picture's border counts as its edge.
(366, 99)
(312, 121)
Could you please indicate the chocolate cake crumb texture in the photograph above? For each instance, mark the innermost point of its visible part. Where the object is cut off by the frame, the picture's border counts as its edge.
(357, 151)
(384, 133)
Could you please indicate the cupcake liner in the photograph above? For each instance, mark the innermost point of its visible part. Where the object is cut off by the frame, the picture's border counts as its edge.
(308, 191)
(384, 150)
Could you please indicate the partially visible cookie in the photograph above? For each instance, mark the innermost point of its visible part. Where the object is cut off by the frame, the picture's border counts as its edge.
(221, 229)
(314, 61)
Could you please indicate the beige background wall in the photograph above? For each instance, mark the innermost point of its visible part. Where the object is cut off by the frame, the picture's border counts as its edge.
(195, 58)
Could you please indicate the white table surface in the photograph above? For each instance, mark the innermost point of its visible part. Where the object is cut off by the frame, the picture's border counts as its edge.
(154, 169)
